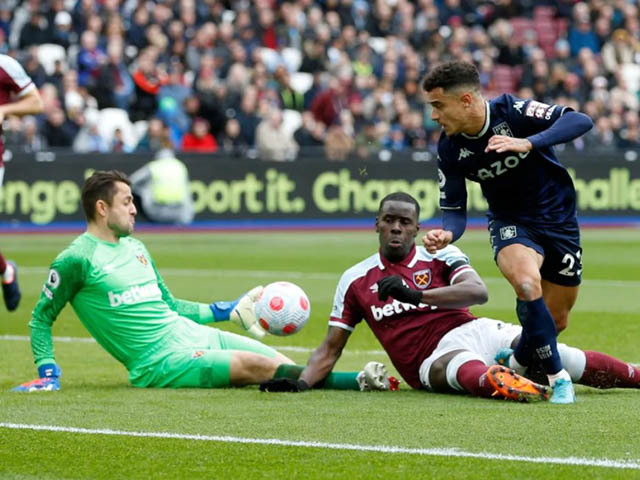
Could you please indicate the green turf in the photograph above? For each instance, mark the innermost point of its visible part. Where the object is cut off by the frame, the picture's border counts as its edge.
(96, 394)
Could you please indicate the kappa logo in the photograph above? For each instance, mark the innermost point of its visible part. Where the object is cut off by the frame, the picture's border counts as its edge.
(508, 232)
(518, 106)
(142, 259)
(503, 129)
(197, 354)
(422, 278)
(464, 153)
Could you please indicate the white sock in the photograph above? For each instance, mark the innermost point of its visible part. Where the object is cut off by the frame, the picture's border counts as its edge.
(7, 276)
(562, 374)
(515, 365)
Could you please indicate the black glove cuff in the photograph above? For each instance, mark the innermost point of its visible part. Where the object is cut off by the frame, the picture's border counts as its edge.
(415, 296)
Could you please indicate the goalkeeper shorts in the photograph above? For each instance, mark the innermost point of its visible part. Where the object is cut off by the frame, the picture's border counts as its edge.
(194, 356)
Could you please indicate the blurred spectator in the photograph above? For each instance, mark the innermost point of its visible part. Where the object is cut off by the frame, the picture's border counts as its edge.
(33, 67)
(289, 98)
(114, 87)
(273, 141)
(61, 32)
(34, 32)
(230, 140)
(311, 133)
(155, 138)
(118, 143)
(88, 139)
(199, 138)
(57, 130)
(171, 99)
(90, 58)
(148, 79)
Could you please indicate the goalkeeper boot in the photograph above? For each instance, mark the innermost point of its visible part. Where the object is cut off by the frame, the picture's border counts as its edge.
(10, 288)
(374, 376)
(244, 313)
(563, 392)
(509, 385)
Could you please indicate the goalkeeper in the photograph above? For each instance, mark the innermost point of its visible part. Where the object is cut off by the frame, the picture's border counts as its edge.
(115, 289)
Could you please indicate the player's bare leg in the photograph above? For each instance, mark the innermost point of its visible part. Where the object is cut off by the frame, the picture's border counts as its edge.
(251, 368)
(521, 267)
(559, 300)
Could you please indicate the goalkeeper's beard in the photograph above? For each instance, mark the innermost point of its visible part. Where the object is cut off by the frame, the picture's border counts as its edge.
(119, 231)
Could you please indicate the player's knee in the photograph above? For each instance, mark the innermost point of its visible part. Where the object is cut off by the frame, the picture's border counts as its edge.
(250, 368)
(527, 287)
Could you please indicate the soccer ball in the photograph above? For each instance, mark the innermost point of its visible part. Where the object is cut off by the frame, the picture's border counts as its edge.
(283, 308)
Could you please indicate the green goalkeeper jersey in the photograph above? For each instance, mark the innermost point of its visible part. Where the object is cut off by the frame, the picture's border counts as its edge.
(118, 294)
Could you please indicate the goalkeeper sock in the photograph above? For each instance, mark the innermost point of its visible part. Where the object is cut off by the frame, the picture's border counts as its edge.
(333, 381)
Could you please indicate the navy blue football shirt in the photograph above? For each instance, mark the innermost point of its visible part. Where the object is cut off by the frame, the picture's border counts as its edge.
(532, 187)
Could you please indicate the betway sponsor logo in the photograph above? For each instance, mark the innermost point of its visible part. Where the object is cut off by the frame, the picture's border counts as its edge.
(134, 295)
(395, 308)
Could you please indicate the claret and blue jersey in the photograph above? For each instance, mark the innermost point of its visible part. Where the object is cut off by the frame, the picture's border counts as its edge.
(532, 187)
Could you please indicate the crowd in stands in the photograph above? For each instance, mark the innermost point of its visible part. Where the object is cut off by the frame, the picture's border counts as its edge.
(272, 78)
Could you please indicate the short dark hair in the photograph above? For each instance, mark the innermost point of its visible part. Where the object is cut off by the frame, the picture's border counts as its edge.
(400, 197)
(450, 75)
(101, 185)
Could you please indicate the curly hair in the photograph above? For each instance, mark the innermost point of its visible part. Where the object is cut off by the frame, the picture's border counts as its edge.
(450, 75)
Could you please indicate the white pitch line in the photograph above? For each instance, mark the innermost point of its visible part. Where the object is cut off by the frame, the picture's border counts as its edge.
(434, 452)
(201, 272)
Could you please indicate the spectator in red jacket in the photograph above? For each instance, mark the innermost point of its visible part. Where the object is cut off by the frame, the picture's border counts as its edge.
(199, 138)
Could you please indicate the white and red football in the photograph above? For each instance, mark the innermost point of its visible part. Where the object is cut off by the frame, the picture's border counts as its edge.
(283, 308)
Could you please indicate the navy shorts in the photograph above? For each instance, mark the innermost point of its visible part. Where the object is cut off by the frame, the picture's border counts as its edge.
(558, 244)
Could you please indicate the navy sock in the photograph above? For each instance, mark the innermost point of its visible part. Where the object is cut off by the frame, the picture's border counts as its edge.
(539, 333)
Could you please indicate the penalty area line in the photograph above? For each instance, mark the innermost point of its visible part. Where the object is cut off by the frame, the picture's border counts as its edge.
(435, 452)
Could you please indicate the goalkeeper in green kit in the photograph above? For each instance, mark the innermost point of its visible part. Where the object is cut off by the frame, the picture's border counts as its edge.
(115, 289)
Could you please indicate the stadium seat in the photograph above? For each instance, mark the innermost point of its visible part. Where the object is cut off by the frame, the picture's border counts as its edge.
(504, 78)
(301, 81)
(139, 129)
(379, 44)
(292, 58)
(111, 118)
(291, 120)
(48, 53)
(271, 58)
(519, 26)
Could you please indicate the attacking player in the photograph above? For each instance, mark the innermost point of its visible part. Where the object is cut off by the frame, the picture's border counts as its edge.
(18, 96)
(506, 146)
(416, 303)
(115, 289)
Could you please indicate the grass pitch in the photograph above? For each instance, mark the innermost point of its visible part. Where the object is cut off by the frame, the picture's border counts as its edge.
(98, 426)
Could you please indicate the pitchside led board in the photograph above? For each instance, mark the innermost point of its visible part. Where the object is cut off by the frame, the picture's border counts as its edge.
(44, 188)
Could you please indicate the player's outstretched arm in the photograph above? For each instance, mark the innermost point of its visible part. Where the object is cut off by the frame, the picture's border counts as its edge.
(320, 364)
(48, 380)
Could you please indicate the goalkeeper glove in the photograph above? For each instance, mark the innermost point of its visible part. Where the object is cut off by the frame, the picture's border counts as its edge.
(284, 385)
(241, 312)
(395, 287)
(49, 380)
